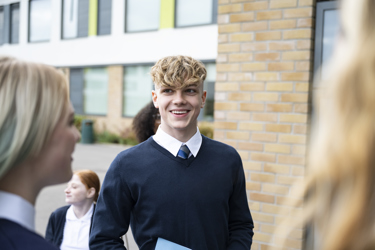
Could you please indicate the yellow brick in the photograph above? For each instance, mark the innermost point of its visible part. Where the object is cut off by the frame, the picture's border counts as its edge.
(219, 135)
(231, 8)
(288, 159)
(251, 126)
(243, 17)
(269, 15)
(243, 154)
(221, 77)
(262, 197)
(281, 66)
(279, 128)
(305, 23)
(253, 186)
(254, 206)
(297, 34)
(303, 66)
(280, 4)
(306, 2)
(263, 157)
(253, 66)
(282, 24)
(277, 148)
(267, 229)
(228, 86)
(299, 150)
(239, 97)
(227, 67)
(222, 38)
(238, 135)
(239, 116)
(257, 26)
(254, 166)
(301, 108)
(276, 168)
(243, 37)
(225, 125)
(225, 106)
(222, 19)
(262, 217)
(294, 97)
(222, 48)
(221, 58)
(288, 180)
(252, 86)
(304, 44)
(297, 76)
(273, 209)
(266, 117)
(264, 96)
(300, 129)
(223, 1)
(298, 12)
(264, 137)
(298, 171)
(267, 36)
(296, 55)
(263, 177)
(240, 77)
(253, 46)
(275, 189)
(229, 28)
(285, 200)
(250, 146)
(279, 86)
(251, 107)
(255, 6)
(295, 139)
(279, 107)
(302, 87)
(273, 56)
(293, 118)
(266, 76)
(243, 57)
(281, 45)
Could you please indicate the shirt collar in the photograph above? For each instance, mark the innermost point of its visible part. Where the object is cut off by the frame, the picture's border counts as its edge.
(17, 209)
(71, 216)
(173, 145)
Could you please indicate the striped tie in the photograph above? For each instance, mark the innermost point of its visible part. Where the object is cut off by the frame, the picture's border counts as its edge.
(183, 152)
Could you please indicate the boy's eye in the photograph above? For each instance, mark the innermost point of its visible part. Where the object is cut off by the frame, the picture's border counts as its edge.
(191, 90)
(167, 91)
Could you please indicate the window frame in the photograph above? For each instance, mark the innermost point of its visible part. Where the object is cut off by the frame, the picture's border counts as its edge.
(11, 22)
(213, 17)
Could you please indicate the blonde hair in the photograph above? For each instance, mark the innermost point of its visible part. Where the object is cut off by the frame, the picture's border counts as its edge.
(338, 195)
(33, 98)
(178, 71)
(90, 179)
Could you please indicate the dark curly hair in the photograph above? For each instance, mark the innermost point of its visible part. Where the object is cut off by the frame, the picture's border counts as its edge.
(144, 122)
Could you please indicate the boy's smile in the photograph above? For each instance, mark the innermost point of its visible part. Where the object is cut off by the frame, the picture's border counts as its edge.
(179, 109)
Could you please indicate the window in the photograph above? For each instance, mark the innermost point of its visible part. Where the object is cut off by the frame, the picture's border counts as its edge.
(207, 113)
(327, 28)
(137, 89)
(104, 17)
(142, 15)
(14, 23)
(39, 20)
(75, 17)
(189, 14)
(2, 25)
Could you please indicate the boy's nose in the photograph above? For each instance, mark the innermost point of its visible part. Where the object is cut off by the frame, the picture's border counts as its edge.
(179, 97)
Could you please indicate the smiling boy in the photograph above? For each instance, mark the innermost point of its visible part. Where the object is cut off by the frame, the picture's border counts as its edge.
(178, 185)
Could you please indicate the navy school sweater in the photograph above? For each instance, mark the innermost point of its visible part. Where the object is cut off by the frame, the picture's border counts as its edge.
(199, 203)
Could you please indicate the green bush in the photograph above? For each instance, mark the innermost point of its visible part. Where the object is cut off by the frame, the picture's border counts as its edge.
(78, 121)
(107, 137)
(206, 130)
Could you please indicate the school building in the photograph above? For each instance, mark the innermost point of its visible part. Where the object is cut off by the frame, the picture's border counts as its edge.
(263, 59)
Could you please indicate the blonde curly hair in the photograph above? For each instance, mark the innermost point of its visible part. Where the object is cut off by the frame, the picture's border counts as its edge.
(178, 71)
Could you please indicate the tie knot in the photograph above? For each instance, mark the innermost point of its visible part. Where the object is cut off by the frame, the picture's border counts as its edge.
(183, 152)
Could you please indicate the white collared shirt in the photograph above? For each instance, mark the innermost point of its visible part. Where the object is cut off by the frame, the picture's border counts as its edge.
(76, 231)
(17, 209)
(173, 145)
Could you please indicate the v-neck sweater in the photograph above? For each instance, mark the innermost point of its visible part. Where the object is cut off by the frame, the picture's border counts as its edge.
(199, 202)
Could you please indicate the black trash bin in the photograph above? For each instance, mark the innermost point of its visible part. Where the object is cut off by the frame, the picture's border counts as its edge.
(87, 135)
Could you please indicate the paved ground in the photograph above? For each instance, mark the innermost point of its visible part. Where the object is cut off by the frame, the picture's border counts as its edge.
(96, 157)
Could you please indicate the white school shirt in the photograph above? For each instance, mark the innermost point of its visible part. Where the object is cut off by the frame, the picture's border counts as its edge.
(17, 209)
(173, 145)
(76, 231)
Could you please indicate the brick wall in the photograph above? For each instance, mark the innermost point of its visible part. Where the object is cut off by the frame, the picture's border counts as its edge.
(264, 70)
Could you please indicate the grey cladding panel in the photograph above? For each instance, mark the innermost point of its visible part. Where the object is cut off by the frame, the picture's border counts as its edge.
(15, 23)
(6, 24)
(104, 17)
(76, 89)
(83, 18)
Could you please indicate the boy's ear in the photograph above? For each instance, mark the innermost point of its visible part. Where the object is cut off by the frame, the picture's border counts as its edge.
(90, 193)
(155, 98)
(204, 96)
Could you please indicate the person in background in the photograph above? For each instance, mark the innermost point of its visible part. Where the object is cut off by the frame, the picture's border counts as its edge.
(146, 122)
(177, 187)
(69, 226)
(338, 195)
(37, 139)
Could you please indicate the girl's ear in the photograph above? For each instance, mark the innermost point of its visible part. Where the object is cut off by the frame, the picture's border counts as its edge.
(90, 193)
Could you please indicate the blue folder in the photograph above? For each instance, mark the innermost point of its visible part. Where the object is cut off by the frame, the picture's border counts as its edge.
(163, 244)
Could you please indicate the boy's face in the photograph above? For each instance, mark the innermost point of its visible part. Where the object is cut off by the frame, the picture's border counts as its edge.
(179, 109)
